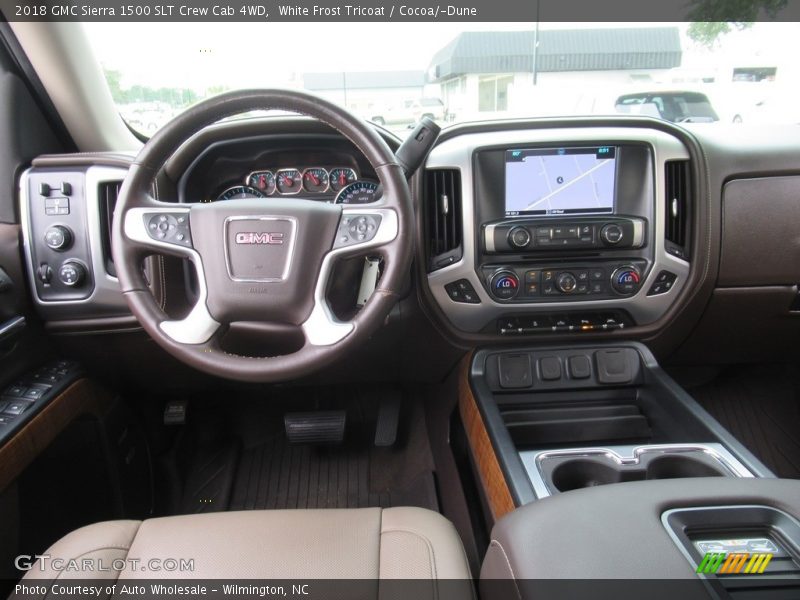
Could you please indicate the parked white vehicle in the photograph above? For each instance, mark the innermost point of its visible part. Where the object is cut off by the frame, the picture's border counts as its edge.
(411, 111)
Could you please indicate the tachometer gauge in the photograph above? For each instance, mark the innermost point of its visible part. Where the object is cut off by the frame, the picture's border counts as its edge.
(240, 191)
(340, 177)
(315, 180)
(288, 181)
(264, 181)
(360, 192)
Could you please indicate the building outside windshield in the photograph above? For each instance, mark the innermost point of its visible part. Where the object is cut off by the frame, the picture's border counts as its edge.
(393, 74)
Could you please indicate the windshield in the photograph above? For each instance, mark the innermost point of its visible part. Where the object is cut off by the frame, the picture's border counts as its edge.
(393, 74)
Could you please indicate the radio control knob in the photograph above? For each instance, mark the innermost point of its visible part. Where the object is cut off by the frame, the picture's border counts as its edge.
(519, 237)
(626, 280)
(58, 238)
(72, 273)
(504, 285)
(566, 283)
(611, 234)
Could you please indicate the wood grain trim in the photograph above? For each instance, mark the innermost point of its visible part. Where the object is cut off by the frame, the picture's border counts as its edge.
(81, 398)
(492, 479)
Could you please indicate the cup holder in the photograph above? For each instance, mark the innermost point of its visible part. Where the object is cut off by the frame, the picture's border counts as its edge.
(675, 466)
(570, 472)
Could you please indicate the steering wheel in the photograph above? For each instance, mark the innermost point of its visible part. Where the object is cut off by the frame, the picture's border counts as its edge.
(266, 261)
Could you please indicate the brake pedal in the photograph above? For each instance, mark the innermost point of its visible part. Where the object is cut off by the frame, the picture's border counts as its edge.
(388, 420)
(319, 427)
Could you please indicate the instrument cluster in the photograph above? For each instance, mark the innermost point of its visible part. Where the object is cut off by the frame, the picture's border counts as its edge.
(339, 185)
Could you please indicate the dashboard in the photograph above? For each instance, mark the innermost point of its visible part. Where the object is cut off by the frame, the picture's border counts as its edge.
(622, 228)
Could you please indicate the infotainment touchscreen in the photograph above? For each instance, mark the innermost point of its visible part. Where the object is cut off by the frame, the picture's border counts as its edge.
(560, 181)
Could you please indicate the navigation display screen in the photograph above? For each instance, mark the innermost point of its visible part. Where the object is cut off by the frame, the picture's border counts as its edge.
(560, 181)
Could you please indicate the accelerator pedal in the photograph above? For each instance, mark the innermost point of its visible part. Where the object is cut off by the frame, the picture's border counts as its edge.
(318, 427)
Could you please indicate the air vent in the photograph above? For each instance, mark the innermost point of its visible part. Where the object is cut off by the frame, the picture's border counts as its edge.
(107, 195)
(442, 202)
(678, 193)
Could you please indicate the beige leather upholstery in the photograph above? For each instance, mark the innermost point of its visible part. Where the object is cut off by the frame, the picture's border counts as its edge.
(368, 543)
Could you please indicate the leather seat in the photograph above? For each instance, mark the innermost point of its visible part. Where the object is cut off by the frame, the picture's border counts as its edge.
(368, 543)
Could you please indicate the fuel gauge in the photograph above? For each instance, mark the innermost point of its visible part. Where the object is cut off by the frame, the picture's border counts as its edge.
(264, 181)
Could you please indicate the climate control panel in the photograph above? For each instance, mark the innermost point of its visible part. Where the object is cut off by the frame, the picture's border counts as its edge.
(584, 281)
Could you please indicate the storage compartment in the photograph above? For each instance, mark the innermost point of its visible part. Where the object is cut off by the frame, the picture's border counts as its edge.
(582, 423)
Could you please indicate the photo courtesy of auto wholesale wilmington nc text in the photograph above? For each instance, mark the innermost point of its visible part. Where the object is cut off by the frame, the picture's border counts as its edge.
(88, 589)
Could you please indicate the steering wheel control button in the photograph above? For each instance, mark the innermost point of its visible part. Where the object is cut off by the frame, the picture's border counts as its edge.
(519, 238)
(664, 282)
(611, 234)
(58, 238)
(550, 368)
(357, 229)
(169, 228)
(504, 285)
(462, 291)
(71, 273)
(626, 280)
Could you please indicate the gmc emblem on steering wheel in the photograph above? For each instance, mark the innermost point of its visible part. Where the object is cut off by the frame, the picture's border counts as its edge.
(251, 238)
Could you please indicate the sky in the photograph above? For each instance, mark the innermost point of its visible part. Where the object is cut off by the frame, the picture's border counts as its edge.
(200, 55)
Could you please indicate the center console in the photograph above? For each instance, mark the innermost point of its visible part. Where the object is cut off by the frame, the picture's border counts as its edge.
(576, 230)
(610, 463)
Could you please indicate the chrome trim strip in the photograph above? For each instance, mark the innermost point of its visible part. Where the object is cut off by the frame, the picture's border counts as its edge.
(11, 327)
(198, 326)
(638, 233)
(457, 153)
(625, 455)
(287, 267)
(322, 328)
(488, 237)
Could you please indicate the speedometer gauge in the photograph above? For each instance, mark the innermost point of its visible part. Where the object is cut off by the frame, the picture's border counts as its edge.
(240, 191)
(360, 192)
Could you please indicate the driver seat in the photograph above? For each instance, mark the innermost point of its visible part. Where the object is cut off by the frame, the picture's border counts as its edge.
(319, 544)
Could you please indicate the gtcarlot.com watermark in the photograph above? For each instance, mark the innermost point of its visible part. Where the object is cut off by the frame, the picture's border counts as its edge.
(45, 562)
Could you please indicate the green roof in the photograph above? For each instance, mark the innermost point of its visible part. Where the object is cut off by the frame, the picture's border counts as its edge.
(559, 50)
